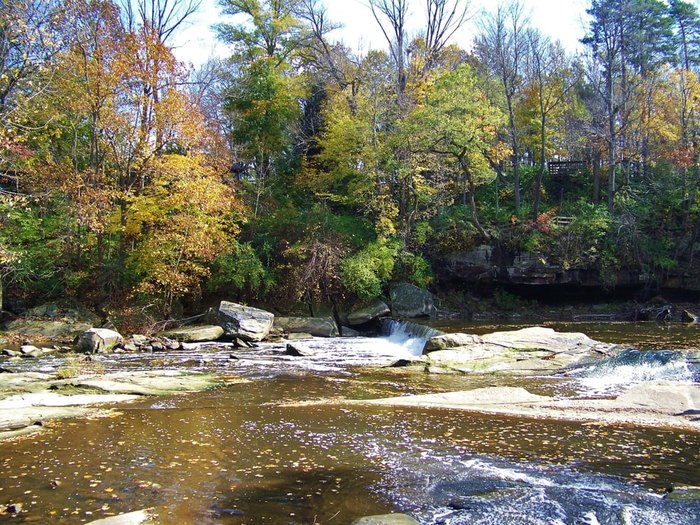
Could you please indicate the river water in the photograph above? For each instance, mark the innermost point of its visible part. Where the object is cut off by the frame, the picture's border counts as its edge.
(257, 451)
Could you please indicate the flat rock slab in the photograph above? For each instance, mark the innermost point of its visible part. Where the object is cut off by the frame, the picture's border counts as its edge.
(195, 334)
(36, 402)
(386, 519)
(139, 517)
(19, 418)
(539, 338)
(656, 404)
(156, 382)
(23, 382)
(53, 399)
(53, 330)
(496, 396)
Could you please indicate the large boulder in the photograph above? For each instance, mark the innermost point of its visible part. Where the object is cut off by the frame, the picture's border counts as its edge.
(411, 301)
(318, 326)
(245, 322)
(98, 340)
(195, 334)
(367, 312)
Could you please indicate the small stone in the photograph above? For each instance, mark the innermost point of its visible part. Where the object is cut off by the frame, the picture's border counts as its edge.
(14, 508)
(28, 349)
(157, 346)
(298, 350)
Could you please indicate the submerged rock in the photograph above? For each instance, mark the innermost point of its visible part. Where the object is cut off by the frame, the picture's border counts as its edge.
(98, 340)
(245, 322)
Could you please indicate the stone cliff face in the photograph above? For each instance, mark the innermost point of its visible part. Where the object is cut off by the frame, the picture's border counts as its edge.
(486, 265)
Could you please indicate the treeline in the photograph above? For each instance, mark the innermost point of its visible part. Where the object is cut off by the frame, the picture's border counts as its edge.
(299, 169)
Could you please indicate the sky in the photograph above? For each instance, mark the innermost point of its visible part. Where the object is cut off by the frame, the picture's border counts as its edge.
(563, 20)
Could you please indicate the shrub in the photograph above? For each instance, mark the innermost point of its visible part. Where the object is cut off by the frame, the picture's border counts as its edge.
(364, 272)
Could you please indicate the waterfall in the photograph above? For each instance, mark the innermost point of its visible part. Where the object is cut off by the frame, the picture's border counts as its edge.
(411, 336)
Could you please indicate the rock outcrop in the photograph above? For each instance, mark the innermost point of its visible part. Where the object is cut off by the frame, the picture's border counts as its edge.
(245, 322)
(410, 301)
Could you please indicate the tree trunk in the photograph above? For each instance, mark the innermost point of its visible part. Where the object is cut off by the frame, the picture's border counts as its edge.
(540, 172)
(516, 153)
(472, 206)
(596, 178)
(612, 138)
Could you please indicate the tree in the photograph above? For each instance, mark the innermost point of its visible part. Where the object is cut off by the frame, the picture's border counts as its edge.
(391, 17)
(457, 125)
(263, 98)
(184, 220)
(501, 47)
(628, 41)
(687, 24)
(551, 79)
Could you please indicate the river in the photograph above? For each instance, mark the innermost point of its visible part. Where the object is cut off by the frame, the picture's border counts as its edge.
(255, 451)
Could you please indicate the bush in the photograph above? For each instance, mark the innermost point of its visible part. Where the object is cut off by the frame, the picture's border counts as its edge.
(240, 270)
(414, 268)
(365, 272)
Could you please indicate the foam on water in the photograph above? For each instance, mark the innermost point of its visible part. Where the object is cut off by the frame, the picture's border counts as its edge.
(483, 468)
(632, 367)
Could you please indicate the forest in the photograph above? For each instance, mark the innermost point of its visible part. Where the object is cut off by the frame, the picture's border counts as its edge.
(300, 170)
